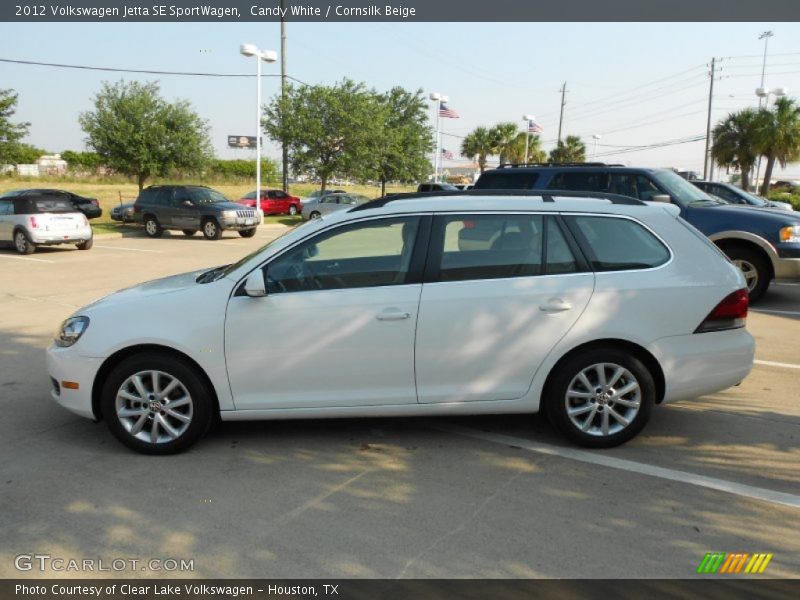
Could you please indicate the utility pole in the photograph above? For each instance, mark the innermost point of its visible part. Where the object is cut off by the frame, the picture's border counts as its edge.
(764, 36)
(708, 123)
(284, 148)
(563, 102)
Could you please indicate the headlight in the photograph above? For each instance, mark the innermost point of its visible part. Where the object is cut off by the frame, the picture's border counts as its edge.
(790, 234)
(71, 330)
(228, 214)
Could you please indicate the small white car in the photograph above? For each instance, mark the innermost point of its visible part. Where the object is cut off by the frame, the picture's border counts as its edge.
(594, 309)
(42, 220)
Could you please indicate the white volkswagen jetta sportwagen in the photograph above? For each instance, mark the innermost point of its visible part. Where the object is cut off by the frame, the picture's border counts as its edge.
(593, 308)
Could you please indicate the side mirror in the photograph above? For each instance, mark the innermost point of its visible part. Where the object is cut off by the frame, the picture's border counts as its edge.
(661, 198)
(255, 286)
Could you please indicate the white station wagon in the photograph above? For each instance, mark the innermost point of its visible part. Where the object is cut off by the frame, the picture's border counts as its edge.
(592, 308)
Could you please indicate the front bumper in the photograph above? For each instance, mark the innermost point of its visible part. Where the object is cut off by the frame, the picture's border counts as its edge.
(238, 224)
(65, 364)
(704, 363)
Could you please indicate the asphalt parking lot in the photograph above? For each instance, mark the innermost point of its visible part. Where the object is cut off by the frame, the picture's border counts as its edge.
(468, 497)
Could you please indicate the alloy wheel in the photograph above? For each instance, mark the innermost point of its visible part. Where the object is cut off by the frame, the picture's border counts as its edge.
(749, 271)
(603, 399)
(21, 242)
(154, 407)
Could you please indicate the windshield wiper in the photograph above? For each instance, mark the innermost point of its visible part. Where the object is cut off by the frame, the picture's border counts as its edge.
(212, 275)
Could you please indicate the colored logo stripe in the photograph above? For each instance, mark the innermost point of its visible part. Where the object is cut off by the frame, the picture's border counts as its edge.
(723, 562)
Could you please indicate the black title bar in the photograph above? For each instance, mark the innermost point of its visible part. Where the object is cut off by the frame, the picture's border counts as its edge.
(177, 11)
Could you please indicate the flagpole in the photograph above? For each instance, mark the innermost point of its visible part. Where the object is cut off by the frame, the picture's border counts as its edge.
(438, 141)
(528, 120)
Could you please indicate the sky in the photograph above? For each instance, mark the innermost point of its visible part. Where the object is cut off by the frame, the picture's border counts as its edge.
(633, 84)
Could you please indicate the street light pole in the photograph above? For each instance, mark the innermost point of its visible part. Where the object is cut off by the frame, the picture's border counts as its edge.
(284, 147)
(764, 36)
(595, 137)
(527, 119)
(267, 56)
(708, 122)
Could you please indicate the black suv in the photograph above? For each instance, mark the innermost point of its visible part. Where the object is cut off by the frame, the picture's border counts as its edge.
(764, 244)
(189, 208)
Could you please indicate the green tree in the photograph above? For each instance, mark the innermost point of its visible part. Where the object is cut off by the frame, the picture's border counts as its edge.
(23, 154)
(735, 142)
(329, 130)
(139, 134)
(82, 161)
(515, 150)
(778, 138)
(10, 133)
(504, 134)
(405, 140)
(478, 145)
(571, 150)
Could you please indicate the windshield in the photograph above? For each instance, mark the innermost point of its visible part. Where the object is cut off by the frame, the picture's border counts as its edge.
(221, 272)
(206, 196)
(755, 200)
(683, 191)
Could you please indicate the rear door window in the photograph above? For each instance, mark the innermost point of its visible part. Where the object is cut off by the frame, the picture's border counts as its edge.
(618, 244)
(578, 181)
(6, 208)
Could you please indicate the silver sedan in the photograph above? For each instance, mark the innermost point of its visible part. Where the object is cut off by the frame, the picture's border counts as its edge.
(314, 209)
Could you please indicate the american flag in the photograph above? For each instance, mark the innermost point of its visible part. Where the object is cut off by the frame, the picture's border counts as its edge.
(446, 154)
(534, 127)
(447, 112)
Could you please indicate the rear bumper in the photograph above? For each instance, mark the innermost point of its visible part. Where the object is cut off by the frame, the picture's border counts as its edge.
(704, 363)
(47, 238)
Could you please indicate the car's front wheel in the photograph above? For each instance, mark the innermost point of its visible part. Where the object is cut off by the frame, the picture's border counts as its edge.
(156, 404)
(211, 229)
(600, 398)
(151, 227)
(292, 210)
(23, 244)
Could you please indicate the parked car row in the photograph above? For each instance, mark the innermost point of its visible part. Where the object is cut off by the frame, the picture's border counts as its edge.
(764, 243)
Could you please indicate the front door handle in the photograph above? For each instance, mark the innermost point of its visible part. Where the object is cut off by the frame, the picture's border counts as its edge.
(554, 305)
(393, 315)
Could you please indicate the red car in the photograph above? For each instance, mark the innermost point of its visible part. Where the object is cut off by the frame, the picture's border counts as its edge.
(273, 202)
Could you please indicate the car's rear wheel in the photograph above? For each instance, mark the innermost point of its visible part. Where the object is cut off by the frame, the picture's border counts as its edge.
(152, 228)
(754, 267)
(314, 215)
(86, 244)
(23, 244)
(292, 210)
(600, 398)
(247, 233)
(156, 404)
(211, 229)
(189, 232)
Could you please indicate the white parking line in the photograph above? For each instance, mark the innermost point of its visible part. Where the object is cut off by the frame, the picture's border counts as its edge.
(597, 458)
(41, 260)
(769, 363)
(776, 312)
(129, 249)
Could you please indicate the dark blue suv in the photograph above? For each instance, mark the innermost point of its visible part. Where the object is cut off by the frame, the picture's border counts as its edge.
(765, 244)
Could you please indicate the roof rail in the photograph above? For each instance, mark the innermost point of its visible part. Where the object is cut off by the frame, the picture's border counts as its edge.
(559, 164)
(546, 195)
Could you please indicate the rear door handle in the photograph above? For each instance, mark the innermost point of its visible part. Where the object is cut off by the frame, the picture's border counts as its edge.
(393, 315)
(555, 305)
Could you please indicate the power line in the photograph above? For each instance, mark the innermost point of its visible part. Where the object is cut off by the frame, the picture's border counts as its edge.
(140, 71)
(675, 142)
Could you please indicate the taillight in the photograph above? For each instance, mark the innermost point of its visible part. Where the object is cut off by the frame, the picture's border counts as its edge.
(34, 223)
(95, 203)
(731, 313)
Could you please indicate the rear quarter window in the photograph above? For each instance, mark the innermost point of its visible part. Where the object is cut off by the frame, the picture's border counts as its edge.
(501, 180)
(35, 206)
(617, 244)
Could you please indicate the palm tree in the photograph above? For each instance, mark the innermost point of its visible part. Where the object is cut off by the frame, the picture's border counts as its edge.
(478, 145)
(515, 150)
(779, 136)
(735, 142)
(571, 150)
(505, 134)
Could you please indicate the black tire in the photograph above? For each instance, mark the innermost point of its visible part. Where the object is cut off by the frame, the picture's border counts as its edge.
(755, 267)
(189, 232)
(202, 405)
(314, 215)
(86, 245)
(293, 210)
(152, 228)
(247, 233)
(22, 243)
(555, 397)
(211, 229)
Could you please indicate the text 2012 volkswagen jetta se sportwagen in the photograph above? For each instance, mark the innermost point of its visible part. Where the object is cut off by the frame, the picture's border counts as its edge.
(593, 309)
